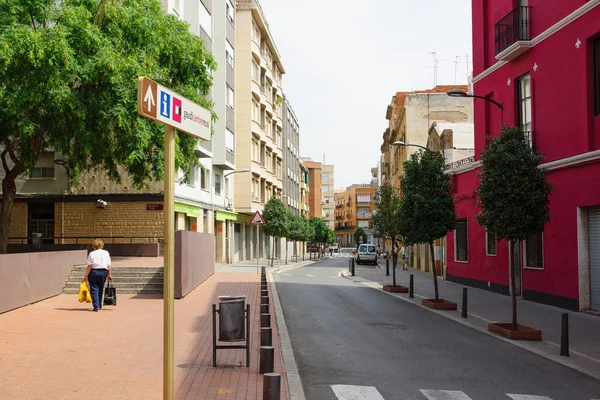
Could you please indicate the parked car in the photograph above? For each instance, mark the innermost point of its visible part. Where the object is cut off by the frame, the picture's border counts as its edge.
(367, 253)
(334, 247)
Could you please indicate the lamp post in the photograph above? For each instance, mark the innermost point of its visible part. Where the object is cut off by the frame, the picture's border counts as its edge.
(401, 143)
(462, 93)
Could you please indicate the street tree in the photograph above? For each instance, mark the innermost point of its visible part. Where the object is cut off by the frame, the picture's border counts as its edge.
(276, 225)
(385, 219)
(297, 231)
(68, 82)
(358, 233)
(513, 193)
(320, 232)
(426, 210)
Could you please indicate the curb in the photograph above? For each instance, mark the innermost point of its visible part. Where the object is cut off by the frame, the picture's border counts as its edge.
(295, 389)
(542, 348)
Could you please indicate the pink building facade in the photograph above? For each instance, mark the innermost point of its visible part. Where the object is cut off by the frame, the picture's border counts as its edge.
(541, 60)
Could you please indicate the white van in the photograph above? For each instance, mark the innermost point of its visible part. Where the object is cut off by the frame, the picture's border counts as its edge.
(367, 253)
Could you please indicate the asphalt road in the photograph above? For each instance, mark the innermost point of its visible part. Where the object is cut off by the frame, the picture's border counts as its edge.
(345, 334)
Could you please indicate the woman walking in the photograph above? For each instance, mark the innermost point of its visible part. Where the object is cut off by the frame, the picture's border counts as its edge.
(98, 269)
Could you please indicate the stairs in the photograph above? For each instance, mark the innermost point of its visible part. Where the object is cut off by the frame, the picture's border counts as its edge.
(127, 280)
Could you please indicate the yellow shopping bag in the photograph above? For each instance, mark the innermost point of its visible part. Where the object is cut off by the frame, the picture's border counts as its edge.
(84, 292)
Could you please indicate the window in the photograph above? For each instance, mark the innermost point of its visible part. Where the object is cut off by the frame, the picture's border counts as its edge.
(363, 224)
(205, 20)
(255, 189)
(204, 177)
(229, 53)
(325, 188)
(461, 241)
(255, 71)
(490, 243)
(230, 98)
(325, 176)
(255, 150)
(524, 105)
(229, 11)
(177, 7)
(218, 184)
(44, 168)
(596, 82)
(534, 254)
(229, 140)
(255, 111)
(363, 199)
(191, 179)
(255, 32)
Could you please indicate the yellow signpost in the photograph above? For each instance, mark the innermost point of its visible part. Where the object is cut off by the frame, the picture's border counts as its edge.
(175, 112)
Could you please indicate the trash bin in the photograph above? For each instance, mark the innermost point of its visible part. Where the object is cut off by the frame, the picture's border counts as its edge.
(232, 318)
(36, 241)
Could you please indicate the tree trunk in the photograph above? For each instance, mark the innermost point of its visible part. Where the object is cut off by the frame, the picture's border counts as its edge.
(273, 252)
(286, 250)
(435, 282)
(393, 265)
(513, 286)
(9, 189)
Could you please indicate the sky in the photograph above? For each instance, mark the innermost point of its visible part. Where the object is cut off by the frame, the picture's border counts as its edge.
(345, 59)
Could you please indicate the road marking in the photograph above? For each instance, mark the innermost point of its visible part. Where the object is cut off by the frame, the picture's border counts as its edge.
(527, 397)
(311, 276)
(445, 395)
(351, 392)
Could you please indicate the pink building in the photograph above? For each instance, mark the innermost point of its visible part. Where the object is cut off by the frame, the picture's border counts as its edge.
(541, 60)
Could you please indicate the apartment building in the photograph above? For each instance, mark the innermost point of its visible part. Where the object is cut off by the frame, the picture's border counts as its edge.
(259, 123)
(328, 189)
(315, 189)
(99, 207)
(353, 209)
(304, 189)
(559, 109)
(291, 159)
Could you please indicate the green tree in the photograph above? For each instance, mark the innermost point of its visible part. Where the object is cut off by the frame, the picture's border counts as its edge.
(298, 231)
(320, 232)
(277, 224)
(513, 193)
(385, 219)
(357, 234)
(427, 206)
(330, 236)
(68, 82)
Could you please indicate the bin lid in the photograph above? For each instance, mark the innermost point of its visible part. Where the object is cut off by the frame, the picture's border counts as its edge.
(224, 299)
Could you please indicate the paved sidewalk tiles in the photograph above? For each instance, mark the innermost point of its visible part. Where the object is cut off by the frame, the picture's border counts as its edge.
(60, 349)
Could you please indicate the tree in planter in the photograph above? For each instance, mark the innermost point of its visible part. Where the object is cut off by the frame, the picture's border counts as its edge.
(513, 193)
(297, 231)
(385, 220)
(68, 81)
(276, 225)
(426, 210)
(357, 234)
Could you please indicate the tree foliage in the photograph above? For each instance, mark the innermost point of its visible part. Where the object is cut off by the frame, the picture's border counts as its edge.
(276, 217)
(68, 82)
(385, 219)
(319, 229)
(513, 191)
(357, 234)
(298, 231)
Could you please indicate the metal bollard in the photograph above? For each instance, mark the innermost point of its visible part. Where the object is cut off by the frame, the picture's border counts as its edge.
(352, 263)
(264, 292)
(387, 267)
(564, 336)
(464, 303)
(266, 336)
(264, 308)
(264, 300)
(272, 386)
(267, 359)
(411, 287)
(265, 320)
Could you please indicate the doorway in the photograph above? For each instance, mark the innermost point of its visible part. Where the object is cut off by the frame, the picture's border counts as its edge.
(516, 259)
(40, 219)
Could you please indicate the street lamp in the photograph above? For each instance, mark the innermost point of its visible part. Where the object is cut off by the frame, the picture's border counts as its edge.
(235, 172)
(401, 143)
(462, 93)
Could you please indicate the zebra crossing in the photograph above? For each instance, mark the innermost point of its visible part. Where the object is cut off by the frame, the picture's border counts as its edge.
(352, 392)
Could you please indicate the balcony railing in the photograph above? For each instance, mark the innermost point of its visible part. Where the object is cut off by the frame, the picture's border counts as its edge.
(364, 215)
(229, 156)
(515, 26)
(460, 163)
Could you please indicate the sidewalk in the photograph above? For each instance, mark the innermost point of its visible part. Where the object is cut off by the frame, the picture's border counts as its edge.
(485, 307)
(60, 349)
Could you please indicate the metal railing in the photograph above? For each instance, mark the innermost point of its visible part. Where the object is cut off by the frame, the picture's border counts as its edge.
(88, 239)
(364, 215)
(460, 163)
(515, 26)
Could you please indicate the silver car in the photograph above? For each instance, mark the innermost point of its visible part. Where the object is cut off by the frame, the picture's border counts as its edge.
(367, 253)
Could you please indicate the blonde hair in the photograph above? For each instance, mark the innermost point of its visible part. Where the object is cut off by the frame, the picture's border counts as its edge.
(97, 244)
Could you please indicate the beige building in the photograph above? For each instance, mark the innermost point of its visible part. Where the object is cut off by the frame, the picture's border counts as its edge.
(259, 125)
(353, 209)
(304, 189)
(328, 190)
(315, 189)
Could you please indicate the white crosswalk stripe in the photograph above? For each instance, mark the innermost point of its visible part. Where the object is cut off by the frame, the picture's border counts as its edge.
(351, 392)
(445, 395)
(527, 397)
(311, 276)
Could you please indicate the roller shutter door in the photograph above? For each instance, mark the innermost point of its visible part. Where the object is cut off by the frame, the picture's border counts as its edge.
(594, 247)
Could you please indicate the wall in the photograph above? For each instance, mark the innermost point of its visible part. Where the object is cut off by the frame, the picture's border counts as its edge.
(194, 260)
(18, 221)
(31, 277)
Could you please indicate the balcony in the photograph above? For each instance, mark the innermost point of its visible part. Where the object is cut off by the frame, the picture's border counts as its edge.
(204, 149)
(230, 156)
(364, 215)
(513, 34)
(460, 163)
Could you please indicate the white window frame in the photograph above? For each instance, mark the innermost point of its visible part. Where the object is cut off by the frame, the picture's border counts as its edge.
(456, 242)
(218, 180)
(230, 97)
(230, 11)
(486, 245)
(205, 19)
(229, 53)
(524, 102)
(205, 173)
(229, 136)
(524, 261)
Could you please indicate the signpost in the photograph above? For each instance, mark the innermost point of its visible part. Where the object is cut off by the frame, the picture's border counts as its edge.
(257, 220)
(175, 112)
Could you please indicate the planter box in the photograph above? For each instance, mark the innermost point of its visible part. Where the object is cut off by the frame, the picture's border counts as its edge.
(522, 333)
(395, 289)
(441, 304)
